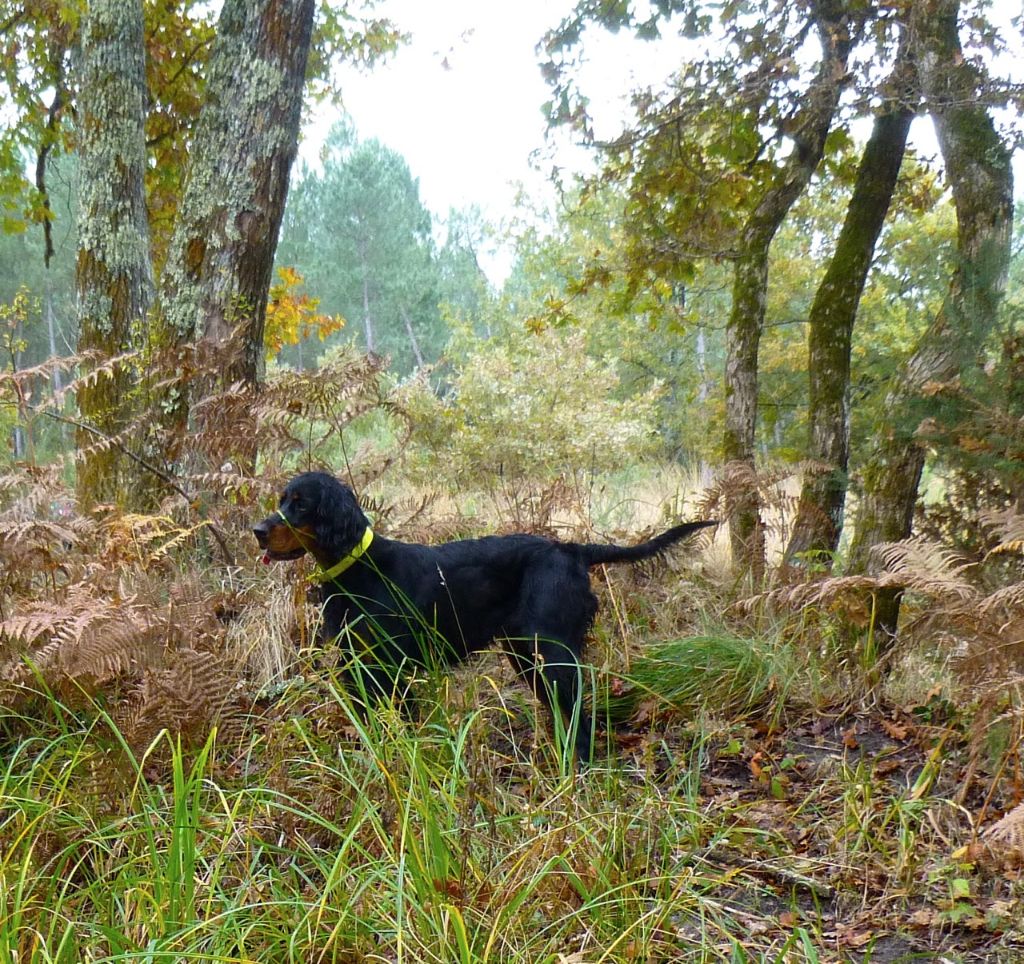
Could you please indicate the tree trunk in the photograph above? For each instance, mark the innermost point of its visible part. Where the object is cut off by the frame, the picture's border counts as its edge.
(114, 273)
(22, 426)
(703, 386)
(414, 344)
(367, 316)
(56, 379)
(750, 286)
(220, 264)
(980, 177)
(742, 338)
(819, 519)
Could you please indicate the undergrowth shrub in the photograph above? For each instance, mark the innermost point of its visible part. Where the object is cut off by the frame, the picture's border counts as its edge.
(106, 608)
(523, 413)
(730, 676)
(960, 656)
(160, 800)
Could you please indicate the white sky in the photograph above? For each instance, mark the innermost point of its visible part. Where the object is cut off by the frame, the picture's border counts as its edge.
(461, 100)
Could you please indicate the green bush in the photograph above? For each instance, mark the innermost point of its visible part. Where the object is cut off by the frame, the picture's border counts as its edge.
(527, 410)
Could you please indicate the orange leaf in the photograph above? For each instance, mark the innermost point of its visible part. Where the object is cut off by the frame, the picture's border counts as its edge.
(850, 737)
(897, 731)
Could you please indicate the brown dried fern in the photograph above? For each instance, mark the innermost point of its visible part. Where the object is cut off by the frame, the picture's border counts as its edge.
(193, 692)
(1001, 845)
(914, 564)
(920, 565)
(1008, 528)
(74, 645)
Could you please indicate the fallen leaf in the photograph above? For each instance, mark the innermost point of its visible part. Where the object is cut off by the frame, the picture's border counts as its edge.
(896, 731)
(853, 936)
(850, 738)
(885, 767)
(925, 917)
(628, 741)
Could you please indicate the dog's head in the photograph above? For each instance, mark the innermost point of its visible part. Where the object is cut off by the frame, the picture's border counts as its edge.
(316, 514)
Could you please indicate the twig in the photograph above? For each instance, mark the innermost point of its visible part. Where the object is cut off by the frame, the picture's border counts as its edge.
(123, 448)
(820, 890)
(149, 467)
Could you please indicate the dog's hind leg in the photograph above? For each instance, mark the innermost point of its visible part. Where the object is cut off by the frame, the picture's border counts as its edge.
(553, 670)
(556, 610)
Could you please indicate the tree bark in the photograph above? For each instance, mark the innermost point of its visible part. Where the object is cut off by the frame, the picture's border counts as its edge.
(819, 519)
(750, 284)
(979, 173)
(742, 339)
(114, 273)
(220, 264)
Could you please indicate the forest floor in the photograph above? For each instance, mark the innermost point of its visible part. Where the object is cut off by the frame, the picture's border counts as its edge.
(309, 834)
(838, 836)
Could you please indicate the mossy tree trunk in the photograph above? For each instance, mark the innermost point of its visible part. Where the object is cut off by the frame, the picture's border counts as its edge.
(114, 272)
(742, 340)
(750, 283)
(978, 169)
(819, 519)
(219, 267)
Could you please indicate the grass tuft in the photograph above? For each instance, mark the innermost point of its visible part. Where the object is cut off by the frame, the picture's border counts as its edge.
(728, 675)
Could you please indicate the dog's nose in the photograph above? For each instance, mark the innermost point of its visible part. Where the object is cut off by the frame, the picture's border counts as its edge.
(260, 531)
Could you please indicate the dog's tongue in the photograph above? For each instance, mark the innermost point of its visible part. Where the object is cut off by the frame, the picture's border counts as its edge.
(266, 558)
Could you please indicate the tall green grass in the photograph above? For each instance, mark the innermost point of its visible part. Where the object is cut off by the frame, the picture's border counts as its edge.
(325, 835)
(329, 837)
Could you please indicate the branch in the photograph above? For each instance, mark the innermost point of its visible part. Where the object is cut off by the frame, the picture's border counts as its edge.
(229, 558)
(47, 140)
(12, 21)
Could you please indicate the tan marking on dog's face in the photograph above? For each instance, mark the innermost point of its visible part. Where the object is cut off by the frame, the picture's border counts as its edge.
(284, 539)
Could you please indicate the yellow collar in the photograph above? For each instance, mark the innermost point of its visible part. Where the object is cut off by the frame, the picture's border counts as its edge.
(325, 575)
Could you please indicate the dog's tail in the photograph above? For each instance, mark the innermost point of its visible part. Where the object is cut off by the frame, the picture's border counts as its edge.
(594, 553)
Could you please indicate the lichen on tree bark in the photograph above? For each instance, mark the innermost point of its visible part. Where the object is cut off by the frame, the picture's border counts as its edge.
(221, 258)
(835, 26)
(819, 520)
(114, 272)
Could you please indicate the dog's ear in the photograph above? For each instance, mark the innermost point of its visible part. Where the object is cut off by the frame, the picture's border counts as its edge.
(339, 523)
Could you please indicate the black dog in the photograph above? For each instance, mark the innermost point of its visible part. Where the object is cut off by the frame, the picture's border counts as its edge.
(408, 605)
